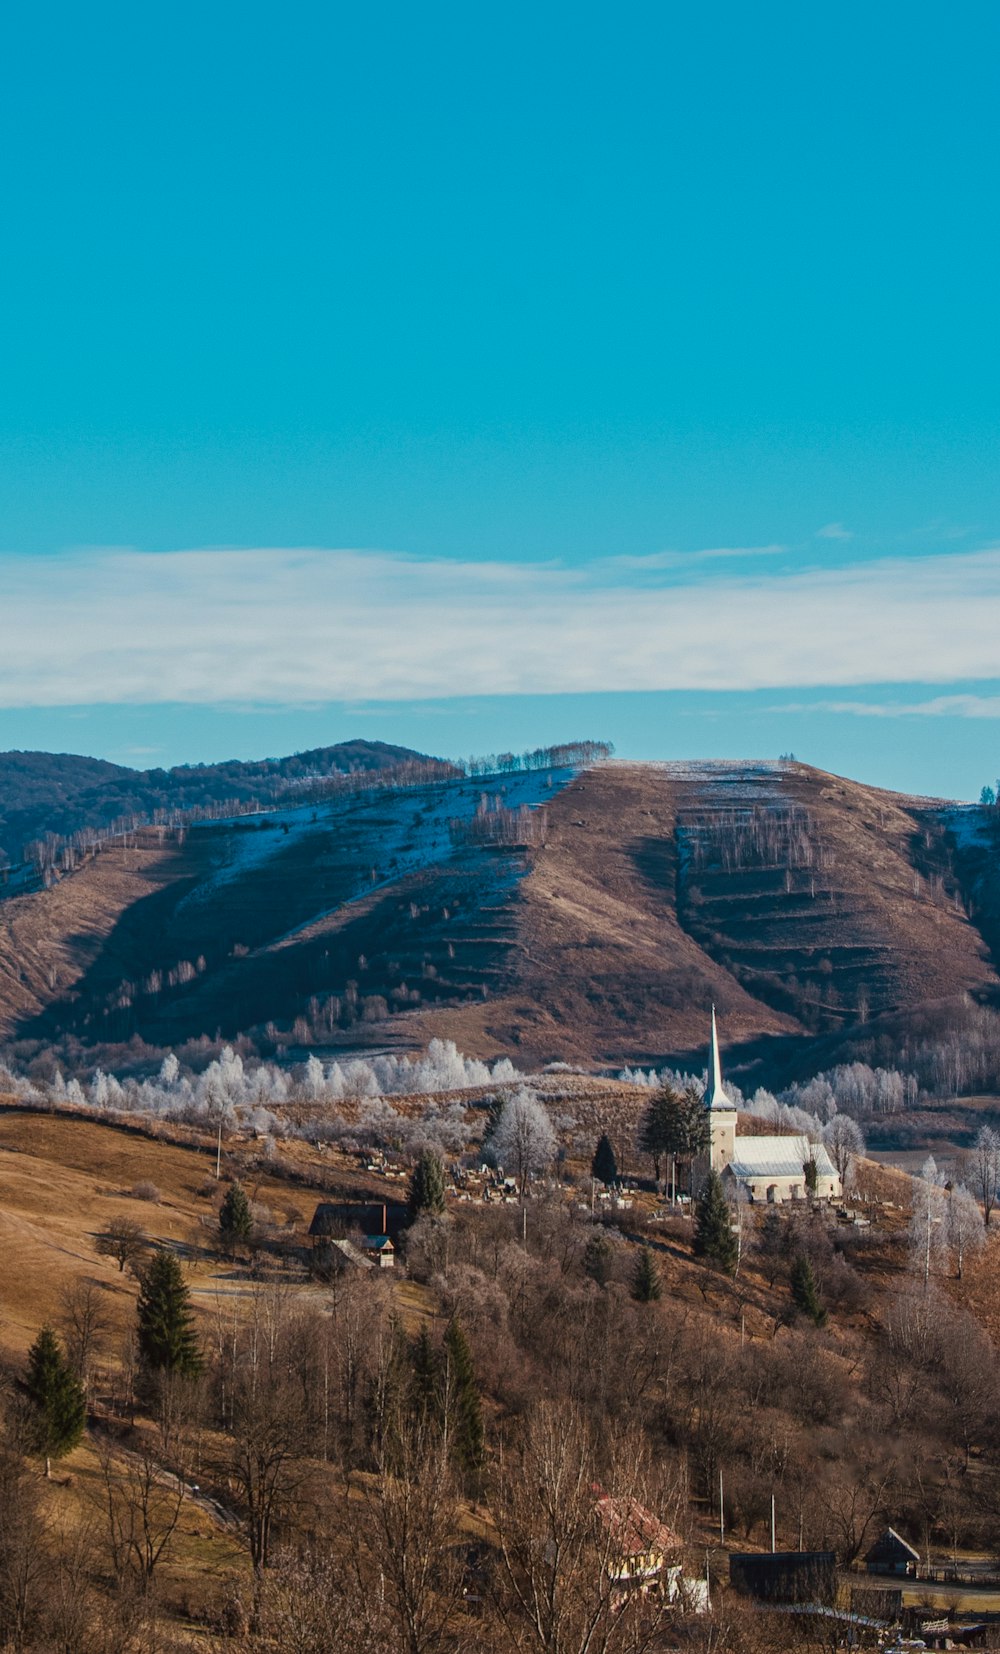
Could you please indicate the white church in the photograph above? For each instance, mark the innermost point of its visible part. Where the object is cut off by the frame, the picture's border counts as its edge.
(767, 1168)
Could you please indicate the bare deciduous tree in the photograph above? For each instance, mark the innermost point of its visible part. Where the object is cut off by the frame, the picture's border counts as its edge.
(125, 1241)
(986, 1175)
(845, 1143)
(564, 1512)
(269, 1439)
(964, 1226)
(141, 1505)
(403, 1539)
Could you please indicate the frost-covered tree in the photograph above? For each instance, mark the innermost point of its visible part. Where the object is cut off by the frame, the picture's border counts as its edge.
(986, 1175)
(844, 1142)
(314, 1079)
(523, 1140)
(169, 1069)
(963, 1226)
(927, 1233)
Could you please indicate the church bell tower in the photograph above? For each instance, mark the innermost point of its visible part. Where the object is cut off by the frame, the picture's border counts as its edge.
(720, 1110)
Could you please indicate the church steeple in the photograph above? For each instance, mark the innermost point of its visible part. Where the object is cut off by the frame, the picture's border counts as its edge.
(721, 1110)
(716, 1096)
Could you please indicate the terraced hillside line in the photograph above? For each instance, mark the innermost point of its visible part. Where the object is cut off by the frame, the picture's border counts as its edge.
(810, 890)
(609, 973)
(797, 902)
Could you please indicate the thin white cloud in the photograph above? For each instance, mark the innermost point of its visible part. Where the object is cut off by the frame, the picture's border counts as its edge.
(940, 706)
(305, 626)
(678, 559)
(834, 531)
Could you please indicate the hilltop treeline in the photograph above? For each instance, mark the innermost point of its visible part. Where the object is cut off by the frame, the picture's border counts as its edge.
(57, 810)
(568, 755)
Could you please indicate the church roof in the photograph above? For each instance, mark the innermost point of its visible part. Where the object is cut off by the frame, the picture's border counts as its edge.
(756, 1157)
(716, 1095)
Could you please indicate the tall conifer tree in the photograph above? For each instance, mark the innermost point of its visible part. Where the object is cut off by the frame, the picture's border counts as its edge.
(235, 1216)
(59, 1410)
(427, 1186)
(604, 1166)
(805, 1291)
(713, 1230)
(167, 1338)
(467, 1441)
(646, 1278)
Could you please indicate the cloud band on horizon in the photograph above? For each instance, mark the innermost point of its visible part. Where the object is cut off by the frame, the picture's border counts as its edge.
(301, 626)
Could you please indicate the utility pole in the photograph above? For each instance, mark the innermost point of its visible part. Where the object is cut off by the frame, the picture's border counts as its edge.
(722, 1511)
(773, 1546)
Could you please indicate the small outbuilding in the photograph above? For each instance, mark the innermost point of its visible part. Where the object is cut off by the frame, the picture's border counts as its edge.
(380, 1250)
(340, 1254)
(890, 1554)
(785, 1576)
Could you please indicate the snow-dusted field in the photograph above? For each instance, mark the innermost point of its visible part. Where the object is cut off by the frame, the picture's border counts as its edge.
(405, 831)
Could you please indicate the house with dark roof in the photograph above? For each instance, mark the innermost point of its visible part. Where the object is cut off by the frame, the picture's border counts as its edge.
(890, 1554)
(367, 1217)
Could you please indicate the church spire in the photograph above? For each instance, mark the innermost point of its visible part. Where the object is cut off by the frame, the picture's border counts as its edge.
(715, 1091)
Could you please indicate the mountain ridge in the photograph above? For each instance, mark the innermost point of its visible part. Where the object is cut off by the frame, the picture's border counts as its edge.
(61, 793)
(586, 914)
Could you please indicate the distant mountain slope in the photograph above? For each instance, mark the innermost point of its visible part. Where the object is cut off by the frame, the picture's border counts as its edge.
(44, 792)
(799, 902)
(802, 904)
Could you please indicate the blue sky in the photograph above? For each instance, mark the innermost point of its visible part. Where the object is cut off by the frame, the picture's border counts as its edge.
(479, 376)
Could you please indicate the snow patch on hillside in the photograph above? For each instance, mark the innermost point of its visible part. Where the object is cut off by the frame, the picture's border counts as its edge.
(971, 825)
(405, 831)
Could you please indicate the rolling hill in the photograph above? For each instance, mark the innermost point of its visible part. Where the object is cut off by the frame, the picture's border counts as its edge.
(587, 916)
(61, 793)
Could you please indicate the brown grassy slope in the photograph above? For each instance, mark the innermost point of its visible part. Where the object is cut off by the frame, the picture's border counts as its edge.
(605, 945)
(62, 1180)
(601, 968)
(622, 942)
(857, 907)
(51, 939)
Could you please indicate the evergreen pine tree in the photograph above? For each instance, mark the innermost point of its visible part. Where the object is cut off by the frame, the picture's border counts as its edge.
(167, 1339)
(805, 1291)
(810, 1172)
(695, 1132)
(426, 1372)
(772, 1242)
(59, 1410)
(598, 1256)
(468, 1438)
(713, 1234)
(646, 1278)
(235, 1217)
(604, 1166)
(427, 1185)
(661, 1127)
